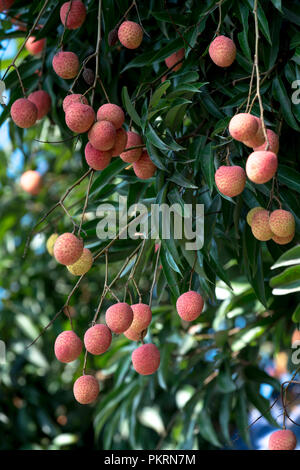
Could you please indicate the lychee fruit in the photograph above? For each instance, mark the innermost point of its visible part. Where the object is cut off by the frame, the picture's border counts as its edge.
(5, 4)
(31, 181)
(119, 317)
(174, 58)
(144, 168)
(97, 339)
(142, 317)
(86, 389)
(230, 180)
(66, 64)
(258, 138)
(222, 51)
(243, 127)
(296, 336)
(102, 135)
(251, 213)
(88, 76)
(273, 142)
(73, 17)
(282, 223)
(283, 240)
(50, 243)
(80, 117)
(97, 159)
(83, 264)
(133, 335)
(73, 98)
(260, 226)
(130, 34)
(261, 166)
(284, 439)
(120, 143)
(35, 47)
(133, 140)
(24, 113)
(67, 347)
(42, 100)
(113, 113)
(189, 305)
(146, 359)
(67, 249)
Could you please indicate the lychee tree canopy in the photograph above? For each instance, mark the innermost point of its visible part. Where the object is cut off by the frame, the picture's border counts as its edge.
(211, 372)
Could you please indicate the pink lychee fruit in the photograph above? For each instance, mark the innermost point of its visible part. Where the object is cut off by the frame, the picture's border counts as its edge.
(73, 98)
(284, 439)
(67, 347)
(222, 51)
(102, 135)
(112, 113)
(120, 143)
(80, 117)
(243, 127)
(261, 166)
(133, 140)
(24, 113)
(97, 159)
(283, 240)
(32, 182)
(35, 47)
(251, 213)
(296, 336)
(97, 339)
(119, 317)
(67, 249)
(130, 34)
(6, 4)
(258, 138)
(66, 64)
(146, 359)
(144, 168)
(230, 180)
(189, 305)
(142, 317)
(174, 58)
(42, 100)
(273, 142)
(260, 226)
(282, 223)
(133, 335)
(86, 389)
(83, 264)
(73, 16)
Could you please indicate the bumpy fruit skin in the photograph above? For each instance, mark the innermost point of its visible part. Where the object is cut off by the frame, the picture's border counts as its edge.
(24, 113)
(76, 15)
(144, 168)
(261, 227)
(284, 439)
(142, 317)
(258, 138)
(113, 113)
(119, 317)
(222, 51)
(102, 135)
(282, 223)
(133, 139)
(251, 214)
(74, 98)
(273, 141)
(67, 347)
(189, 305)
(83, 264)
(132, 335)
(80, 117)
(42, 100)
(50, 243)
(230, 180)
(67, 249)
(296, 336)
(97, 339)
(31, 181)
(130, 34)
(97, 159)
(261, 166)
(146, 359)
(243, 127)
(86, 389)
(66, 64)
(283, 240)
(173, 58)
(35, 47)
(6, 4)
(120, 143)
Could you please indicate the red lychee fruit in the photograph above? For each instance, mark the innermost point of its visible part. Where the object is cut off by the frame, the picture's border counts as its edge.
(260, 226)
(35, 47)
(251, 213)
(119, 317)
(97, 339)
(80, 117)
(258, 138)
(174, 58)
(243, 127)
(67, 249)
(144, 168)
(273, 142)
(83, 264)
(73, 98)
(67, 347)
(24, 113)
(133, 139)
(261, 166)
(73, 17)
(102, 135)
(97, 159)
(86, 389)
(132, 335)
(66, 64)
(283, 240)
(130, 34)
(6, 4)
(282, 223)
(189, 305)
(146, 359)
(120, 143)
(113, 113)
(142, 317)
(42, 100)
(31, 181)
(284, 439)
(230, 180)
(222, 51)
(296, 336)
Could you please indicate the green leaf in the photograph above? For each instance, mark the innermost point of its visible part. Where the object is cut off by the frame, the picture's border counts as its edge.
(207, 430)
(285, 102)
(107, 175)
(286, 282)
(288, 258)
(130, 108)
(290, 177)
(296, 314)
